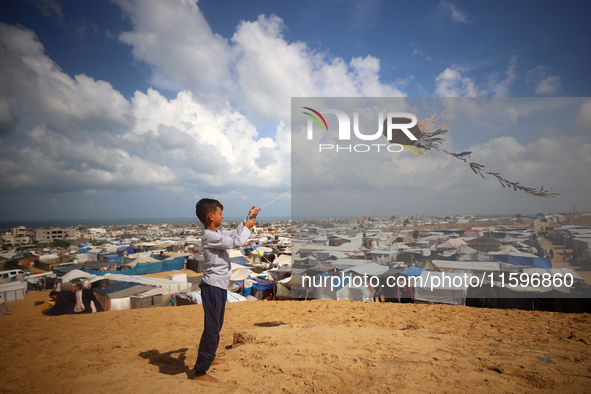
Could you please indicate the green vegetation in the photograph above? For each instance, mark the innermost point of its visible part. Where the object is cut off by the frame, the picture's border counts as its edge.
(11, 264)
(62, 243)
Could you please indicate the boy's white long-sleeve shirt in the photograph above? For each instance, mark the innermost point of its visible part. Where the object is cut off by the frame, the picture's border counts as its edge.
(218, 269)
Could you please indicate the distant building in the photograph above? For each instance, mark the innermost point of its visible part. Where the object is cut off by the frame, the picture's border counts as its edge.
(50, 234)
(20, 230)
(21, 239)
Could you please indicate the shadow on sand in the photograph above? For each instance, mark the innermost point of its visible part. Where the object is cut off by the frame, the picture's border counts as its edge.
(167, 363)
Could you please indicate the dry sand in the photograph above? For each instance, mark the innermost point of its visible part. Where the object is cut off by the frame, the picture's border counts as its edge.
(297, 346)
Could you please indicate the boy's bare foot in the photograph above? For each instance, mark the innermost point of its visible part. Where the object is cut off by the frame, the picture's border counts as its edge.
(206, 378)
(218, 361)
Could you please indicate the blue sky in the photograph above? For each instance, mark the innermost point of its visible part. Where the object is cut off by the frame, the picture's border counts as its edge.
(138, 108)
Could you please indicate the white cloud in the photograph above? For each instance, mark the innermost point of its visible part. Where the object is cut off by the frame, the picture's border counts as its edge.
(454, 12)
(544, 83)
(258, 69)
(176, 40)
(452, 82)
(30, 81)
(56, 163)
(203, 145)
(87, 136)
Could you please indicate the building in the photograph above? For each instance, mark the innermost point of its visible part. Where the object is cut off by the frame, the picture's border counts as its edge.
(9, 239)
(53, 233)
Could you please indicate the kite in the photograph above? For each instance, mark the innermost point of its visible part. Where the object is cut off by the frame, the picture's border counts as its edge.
(428, 133)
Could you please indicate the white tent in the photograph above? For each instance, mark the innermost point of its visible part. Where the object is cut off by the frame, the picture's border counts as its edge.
(13, 291)
(76, 274)
(441, 288)
(282, 260)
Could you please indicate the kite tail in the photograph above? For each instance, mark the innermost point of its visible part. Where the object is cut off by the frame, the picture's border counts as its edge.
(432, 140)
(479, 170)
(428, 141)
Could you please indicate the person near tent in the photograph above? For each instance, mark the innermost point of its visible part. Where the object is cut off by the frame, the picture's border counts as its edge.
(216, 278)
(49, 303)
(65, 301)
(86, 301)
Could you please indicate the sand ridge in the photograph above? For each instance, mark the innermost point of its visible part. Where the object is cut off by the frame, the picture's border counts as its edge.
(298, 346)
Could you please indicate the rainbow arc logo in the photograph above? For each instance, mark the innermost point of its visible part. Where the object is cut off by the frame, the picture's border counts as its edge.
(315, 118)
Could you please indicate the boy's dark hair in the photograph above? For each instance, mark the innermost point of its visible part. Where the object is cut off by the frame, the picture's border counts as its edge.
(52, 293)
(205, 206)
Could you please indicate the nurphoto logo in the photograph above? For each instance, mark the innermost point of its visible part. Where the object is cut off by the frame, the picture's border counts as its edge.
(395, 121)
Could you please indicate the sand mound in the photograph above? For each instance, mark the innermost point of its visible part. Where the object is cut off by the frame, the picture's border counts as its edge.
(295, 346)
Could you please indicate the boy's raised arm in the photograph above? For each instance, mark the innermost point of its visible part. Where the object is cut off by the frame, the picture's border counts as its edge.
(232, 239)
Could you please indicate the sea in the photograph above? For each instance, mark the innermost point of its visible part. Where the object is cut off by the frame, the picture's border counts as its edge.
(4, 224)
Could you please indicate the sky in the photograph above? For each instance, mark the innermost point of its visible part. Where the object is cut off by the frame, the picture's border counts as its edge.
(138, 108)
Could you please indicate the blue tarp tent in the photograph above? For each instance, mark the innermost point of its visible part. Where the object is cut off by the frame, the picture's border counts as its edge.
(111, 257)
(412, 271)
(149, 268)
(541, 262)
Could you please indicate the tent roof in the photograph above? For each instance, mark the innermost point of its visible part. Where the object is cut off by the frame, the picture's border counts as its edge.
(76, 274)
(468, 265)
(412, 271)
(369, 269)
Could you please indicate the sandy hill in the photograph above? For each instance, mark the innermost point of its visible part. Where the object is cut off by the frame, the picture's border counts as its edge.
(297, 346)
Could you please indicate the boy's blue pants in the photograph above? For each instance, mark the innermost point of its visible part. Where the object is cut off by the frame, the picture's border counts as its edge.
(214, 306)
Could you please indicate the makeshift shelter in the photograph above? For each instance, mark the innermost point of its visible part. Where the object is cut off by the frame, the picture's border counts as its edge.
(358, 294)
(484, 244)
(196, 263)
(168, 286)
(441, 288)
(149, 268)
(283, 289)
(117, 296)
(523, 259)
(370, 269)
(13, 291)
(467, 266)
(413, 271)
(451, 243)
(76, 274)
(283, 260)
(279, 273)
(552, 300)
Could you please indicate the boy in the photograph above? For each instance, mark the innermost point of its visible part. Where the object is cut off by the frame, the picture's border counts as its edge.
(49, 303)
(216, 277)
